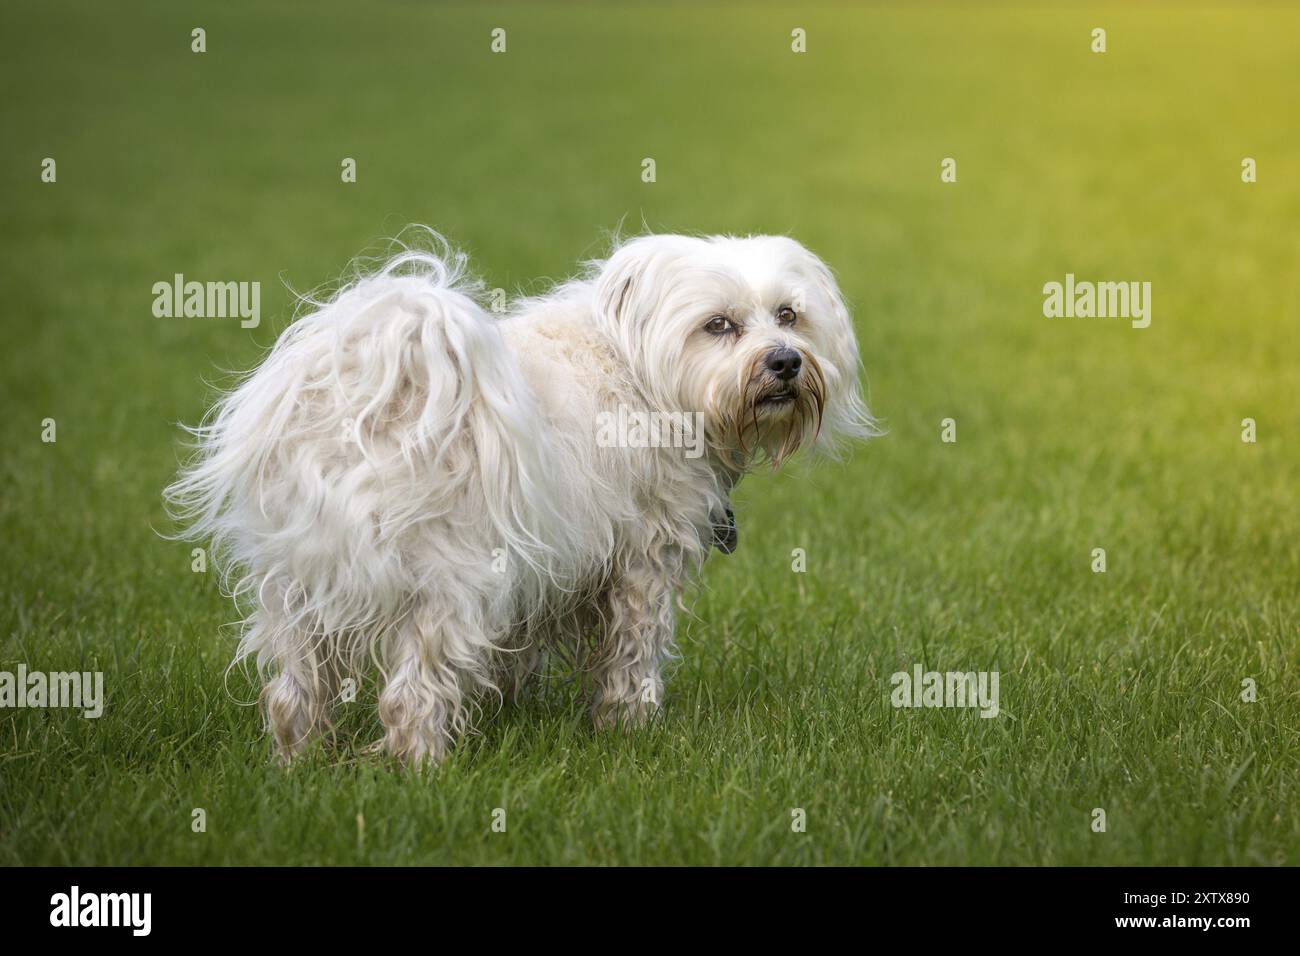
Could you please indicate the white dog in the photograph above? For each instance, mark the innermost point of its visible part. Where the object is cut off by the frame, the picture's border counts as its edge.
(411, 479)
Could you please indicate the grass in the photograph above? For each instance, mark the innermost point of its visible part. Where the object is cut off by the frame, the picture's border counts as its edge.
(1118, 690)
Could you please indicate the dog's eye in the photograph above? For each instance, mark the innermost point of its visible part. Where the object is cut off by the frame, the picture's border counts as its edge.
(785, 315)
(720, 325)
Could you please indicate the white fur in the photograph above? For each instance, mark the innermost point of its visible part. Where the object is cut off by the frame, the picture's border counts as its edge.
(408, 478)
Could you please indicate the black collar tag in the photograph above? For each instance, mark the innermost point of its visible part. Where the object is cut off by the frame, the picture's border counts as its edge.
(725, 535)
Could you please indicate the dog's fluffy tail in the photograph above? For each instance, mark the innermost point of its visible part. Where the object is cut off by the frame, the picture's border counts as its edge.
(392, 417)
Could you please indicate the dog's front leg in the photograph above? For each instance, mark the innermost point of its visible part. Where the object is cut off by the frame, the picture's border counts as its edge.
(637, 640)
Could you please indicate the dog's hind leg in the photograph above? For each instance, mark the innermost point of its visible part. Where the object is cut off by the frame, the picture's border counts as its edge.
(434, 664)
(296, 700)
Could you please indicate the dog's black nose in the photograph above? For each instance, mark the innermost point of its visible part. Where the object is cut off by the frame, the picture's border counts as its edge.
(783, 363)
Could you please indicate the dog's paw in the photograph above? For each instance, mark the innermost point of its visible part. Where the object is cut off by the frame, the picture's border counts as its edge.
(611, 715)
(415, 749)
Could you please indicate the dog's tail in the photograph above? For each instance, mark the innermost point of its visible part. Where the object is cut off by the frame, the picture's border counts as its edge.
(390, 418)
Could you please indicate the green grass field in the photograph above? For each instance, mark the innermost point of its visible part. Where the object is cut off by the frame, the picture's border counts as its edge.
(1119, 691)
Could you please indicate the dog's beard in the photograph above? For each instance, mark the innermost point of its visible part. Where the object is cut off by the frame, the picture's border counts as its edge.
(769, 418)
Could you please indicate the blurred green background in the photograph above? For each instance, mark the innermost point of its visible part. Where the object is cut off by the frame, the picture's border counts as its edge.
(1119, 690)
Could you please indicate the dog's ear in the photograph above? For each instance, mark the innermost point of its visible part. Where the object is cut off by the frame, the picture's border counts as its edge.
(633, 285)
(846, 414)
(632, 288)
(619, 283)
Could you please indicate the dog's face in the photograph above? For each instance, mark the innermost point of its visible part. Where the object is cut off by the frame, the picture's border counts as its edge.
(752, 332)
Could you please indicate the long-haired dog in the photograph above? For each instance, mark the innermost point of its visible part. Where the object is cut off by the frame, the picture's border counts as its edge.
(410, 479)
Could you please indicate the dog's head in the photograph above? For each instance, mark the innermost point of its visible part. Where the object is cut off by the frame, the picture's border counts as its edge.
(752, 332)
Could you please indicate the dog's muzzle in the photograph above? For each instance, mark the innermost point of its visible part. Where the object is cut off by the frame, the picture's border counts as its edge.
(783, 363)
